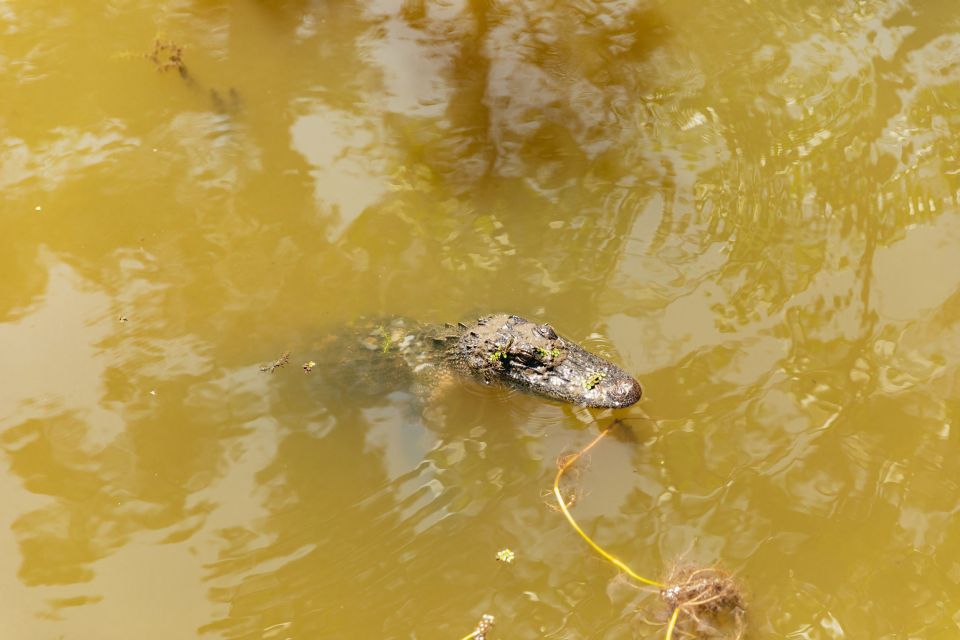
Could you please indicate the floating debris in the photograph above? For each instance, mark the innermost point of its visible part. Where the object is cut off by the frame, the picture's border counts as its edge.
(308, 366)
(709, 600)
(123, 318)
(506, 556)
(276, 364)
(483, 628)
(168, 56)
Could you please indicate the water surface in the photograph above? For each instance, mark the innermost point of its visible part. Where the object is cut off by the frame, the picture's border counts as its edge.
(752, 206)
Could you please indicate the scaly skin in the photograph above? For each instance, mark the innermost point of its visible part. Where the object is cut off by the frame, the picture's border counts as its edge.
(514, 351)
(509, 350)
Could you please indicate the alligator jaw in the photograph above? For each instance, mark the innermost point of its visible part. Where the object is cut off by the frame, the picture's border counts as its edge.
(532, 357)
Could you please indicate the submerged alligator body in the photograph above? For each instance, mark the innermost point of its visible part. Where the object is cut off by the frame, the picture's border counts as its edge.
(495, 349)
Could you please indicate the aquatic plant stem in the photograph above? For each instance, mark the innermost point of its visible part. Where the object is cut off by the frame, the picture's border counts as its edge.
(563, 466)
(671, 625)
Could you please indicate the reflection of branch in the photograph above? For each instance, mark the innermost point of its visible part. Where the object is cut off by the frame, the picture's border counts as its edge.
(866, 268)
(668, 191)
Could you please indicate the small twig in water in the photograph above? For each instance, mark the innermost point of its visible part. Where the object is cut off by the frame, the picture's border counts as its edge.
(483, 628)
(276, 364)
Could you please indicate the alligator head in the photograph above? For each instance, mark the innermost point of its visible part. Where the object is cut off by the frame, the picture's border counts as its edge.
(515, 351)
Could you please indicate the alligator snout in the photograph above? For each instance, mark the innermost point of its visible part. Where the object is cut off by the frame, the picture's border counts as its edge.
(621, 393)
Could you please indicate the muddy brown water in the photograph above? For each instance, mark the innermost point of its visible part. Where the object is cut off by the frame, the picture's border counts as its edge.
(752, 206)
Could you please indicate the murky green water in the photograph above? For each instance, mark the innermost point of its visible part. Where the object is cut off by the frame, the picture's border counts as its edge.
(751, 205)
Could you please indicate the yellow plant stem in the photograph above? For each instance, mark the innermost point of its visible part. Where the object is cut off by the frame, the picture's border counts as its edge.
(566, 464)
(469, 637)
(670, 626)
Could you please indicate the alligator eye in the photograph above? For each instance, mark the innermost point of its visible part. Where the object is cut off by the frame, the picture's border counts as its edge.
(547, 332)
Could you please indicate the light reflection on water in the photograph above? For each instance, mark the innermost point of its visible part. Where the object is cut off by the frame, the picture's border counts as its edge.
(752, 207)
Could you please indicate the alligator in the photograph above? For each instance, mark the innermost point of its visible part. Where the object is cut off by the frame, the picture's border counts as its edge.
(494, 349)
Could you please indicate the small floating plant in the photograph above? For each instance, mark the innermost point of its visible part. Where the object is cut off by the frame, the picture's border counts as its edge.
(699, 602)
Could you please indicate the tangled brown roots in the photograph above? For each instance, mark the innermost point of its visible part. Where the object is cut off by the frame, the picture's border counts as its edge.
(703, 602)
